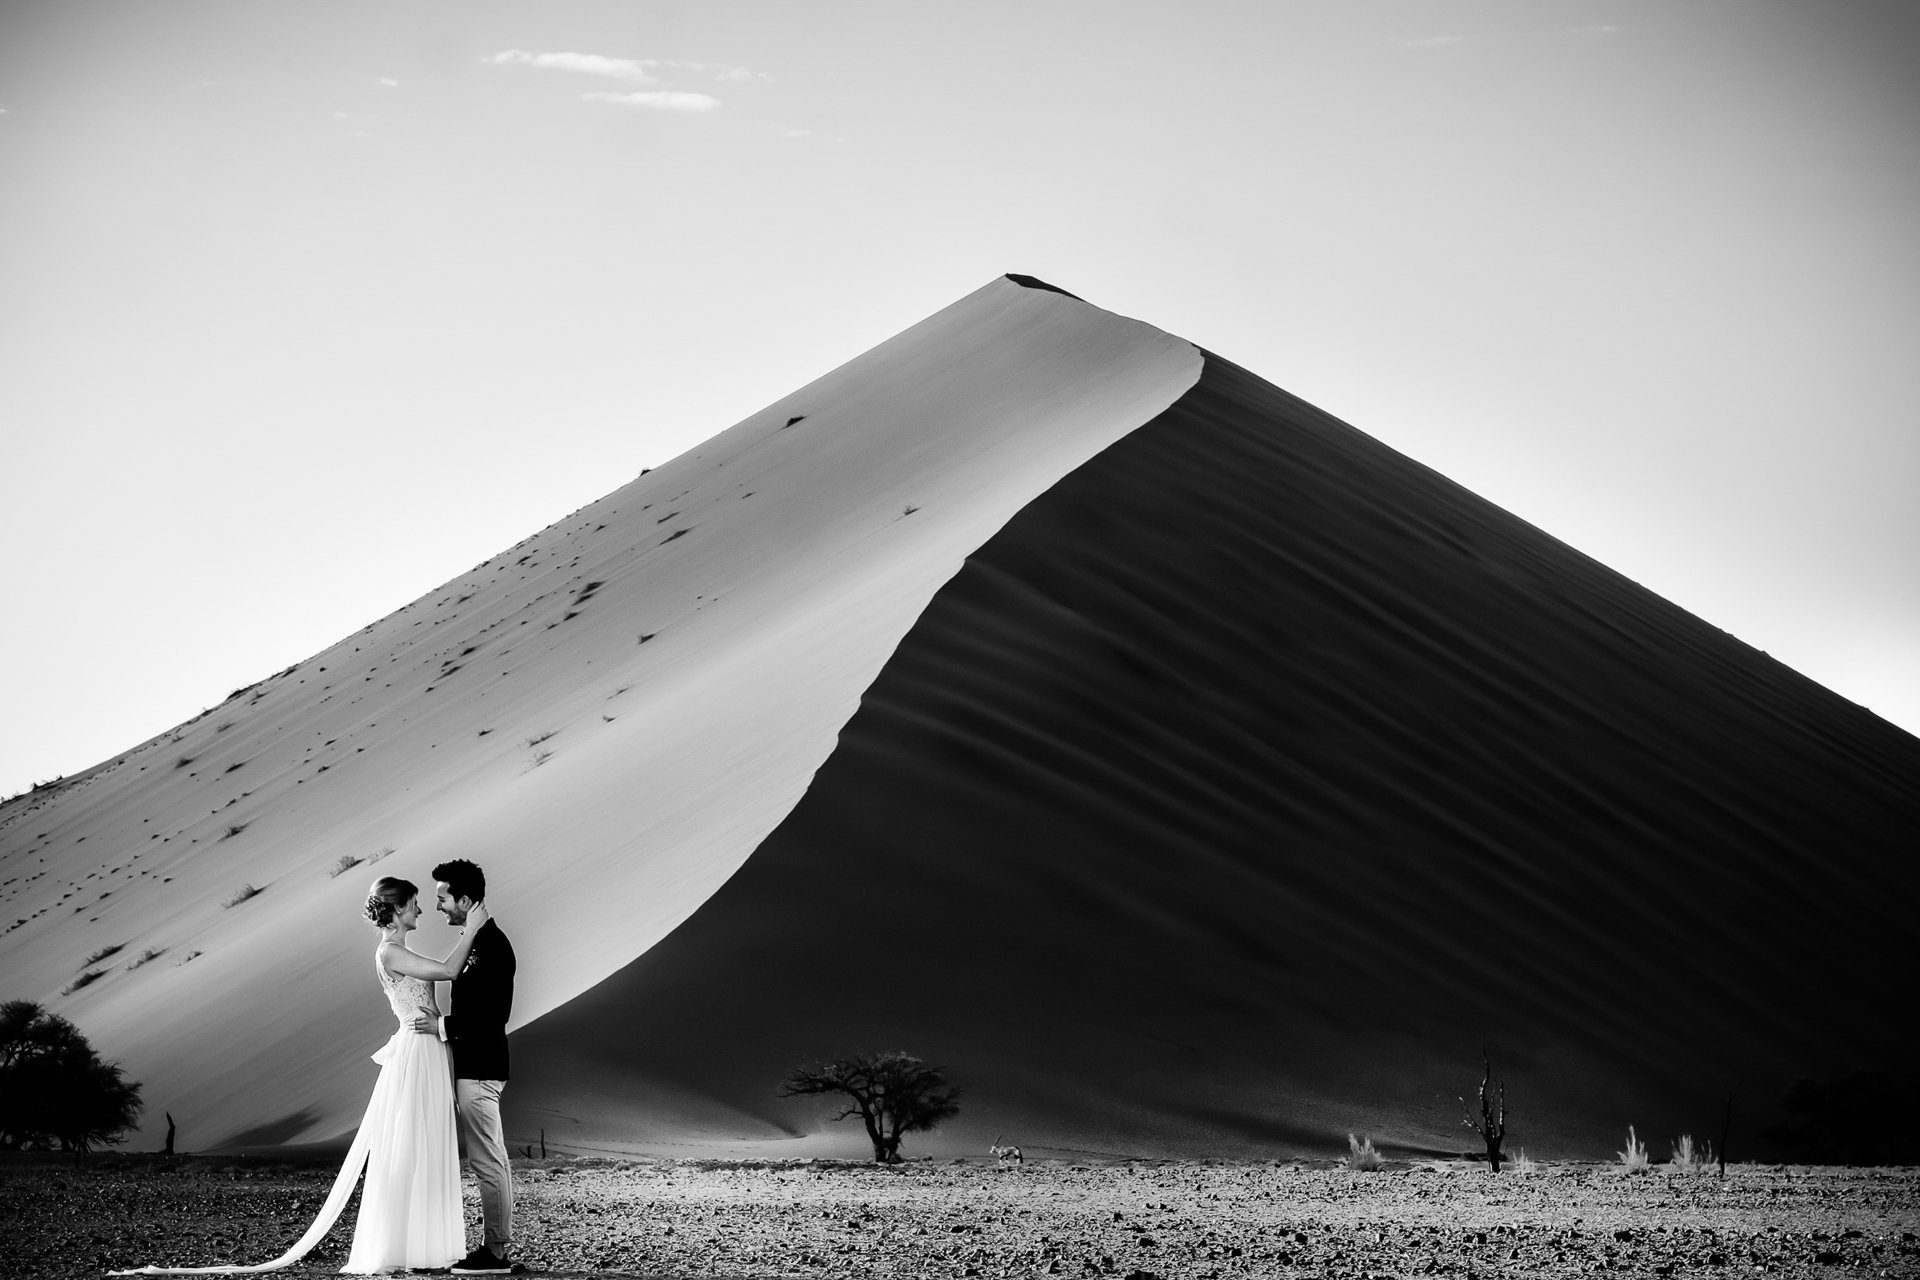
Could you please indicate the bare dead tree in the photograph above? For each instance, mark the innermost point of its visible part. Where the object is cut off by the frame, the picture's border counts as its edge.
(892, 1093)
(1492, 1124)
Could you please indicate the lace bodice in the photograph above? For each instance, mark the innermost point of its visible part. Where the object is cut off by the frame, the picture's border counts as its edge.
(407, 996)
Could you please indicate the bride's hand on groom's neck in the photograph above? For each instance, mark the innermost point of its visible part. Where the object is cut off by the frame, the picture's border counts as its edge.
(477, 916)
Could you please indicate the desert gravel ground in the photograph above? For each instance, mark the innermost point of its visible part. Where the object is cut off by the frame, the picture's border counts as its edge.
(1177, 1219)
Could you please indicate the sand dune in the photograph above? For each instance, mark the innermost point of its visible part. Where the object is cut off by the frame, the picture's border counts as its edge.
(609, 717)
(1188, 772)
(1243, 787)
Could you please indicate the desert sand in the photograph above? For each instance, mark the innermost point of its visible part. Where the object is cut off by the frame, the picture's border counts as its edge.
(1191, 1221)
(1187, 772)
(1244, 787)
(609, 717)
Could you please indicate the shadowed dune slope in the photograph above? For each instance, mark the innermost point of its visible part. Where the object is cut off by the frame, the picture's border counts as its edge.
(1243, 786)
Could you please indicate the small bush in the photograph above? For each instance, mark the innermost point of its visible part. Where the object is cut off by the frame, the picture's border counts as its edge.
(1634, 1158)
(183, 959)
(86, 979)
(150, 954)
(54, 1089)
(539, 738)
(346, 863)
(1362, 1156)
(541, 757)
(235, 830)
(238, 896)
(1687, 1160)
(385, 851)
(102, 954)
(1523, 1163)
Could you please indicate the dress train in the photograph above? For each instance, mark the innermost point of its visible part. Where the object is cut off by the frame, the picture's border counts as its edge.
(410, 1212)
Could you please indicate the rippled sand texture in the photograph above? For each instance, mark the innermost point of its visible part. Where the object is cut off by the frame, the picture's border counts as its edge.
(1242, 788)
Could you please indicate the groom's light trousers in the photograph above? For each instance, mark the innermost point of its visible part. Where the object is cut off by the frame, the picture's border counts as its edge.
(479, 1104)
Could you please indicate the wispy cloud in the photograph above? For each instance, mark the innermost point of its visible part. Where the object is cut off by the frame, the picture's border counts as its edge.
(660, 99)
(638, 70)
(720, 70)
(391, 84)
(1596, 30)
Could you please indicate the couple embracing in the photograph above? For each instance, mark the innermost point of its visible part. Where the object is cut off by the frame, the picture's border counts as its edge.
(436, 1067)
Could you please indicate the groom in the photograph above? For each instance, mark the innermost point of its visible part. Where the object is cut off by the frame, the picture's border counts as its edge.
(477, 1032)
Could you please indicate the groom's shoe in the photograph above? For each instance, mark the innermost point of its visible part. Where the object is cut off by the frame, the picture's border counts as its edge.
(482, 1262)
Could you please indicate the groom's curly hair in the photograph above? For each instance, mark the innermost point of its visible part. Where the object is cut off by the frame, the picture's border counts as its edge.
(463, 879)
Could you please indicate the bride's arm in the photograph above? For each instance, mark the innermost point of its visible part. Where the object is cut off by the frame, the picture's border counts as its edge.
(414, 965)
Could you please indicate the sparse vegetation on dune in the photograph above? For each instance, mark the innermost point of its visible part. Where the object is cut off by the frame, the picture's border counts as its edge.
(86, 979)
(102, 954)
(237, 897)
(146, 957)
(343, 864)
(1361, 1155)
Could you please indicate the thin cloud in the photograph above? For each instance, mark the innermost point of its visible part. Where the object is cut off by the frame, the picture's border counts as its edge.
(593, 64)
(720, 70)
(391, 84)
(660, 99)
(1595, 31)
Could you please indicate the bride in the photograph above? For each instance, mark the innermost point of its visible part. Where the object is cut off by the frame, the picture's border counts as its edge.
(410, 1212)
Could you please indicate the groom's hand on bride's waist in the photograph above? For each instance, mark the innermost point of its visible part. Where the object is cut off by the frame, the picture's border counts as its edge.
(426, 1022)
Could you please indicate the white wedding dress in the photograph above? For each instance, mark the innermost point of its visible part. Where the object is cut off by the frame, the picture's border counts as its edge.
(410, 1211)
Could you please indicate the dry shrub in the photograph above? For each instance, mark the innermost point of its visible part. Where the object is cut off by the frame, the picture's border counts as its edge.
(1687, 1160)
(1362, 1156)
(238, 896)
(1635, 1159)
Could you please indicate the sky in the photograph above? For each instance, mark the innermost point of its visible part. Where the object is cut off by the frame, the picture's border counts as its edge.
(307, 307)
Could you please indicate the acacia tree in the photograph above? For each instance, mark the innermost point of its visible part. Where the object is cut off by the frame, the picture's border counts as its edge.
(892, 1093)
(54, 1089)
(1492, 1123)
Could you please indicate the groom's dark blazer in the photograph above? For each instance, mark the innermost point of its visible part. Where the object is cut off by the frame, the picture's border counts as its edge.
(482, 1002)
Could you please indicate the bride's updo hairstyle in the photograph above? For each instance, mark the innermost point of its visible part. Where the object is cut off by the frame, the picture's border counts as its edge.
(390, 894)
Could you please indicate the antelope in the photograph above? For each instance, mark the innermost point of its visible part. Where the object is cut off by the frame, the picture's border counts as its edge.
(1007, 1154)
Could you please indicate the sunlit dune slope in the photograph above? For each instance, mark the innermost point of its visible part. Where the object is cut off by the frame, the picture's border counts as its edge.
(609, 717)
(1243, 787)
